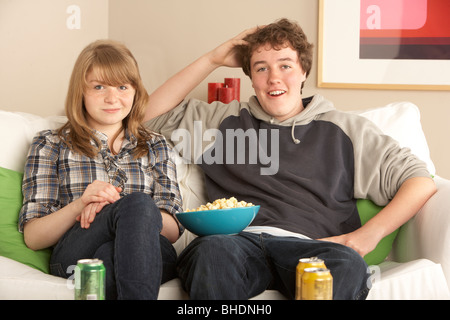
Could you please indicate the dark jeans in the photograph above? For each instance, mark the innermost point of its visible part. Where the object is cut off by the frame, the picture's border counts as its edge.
(244, 265)
(126, 236)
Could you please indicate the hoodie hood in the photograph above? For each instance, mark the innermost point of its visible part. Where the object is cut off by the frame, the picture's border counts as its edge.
(314, 106)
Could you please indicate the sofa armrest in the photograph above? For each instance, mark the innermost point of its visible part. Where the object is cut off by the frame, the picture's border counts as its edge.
(427, 235)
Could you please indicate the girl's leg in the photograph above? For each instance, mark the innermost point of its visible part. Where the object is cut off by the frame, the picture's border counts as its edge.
(133, 224)
(106, 254)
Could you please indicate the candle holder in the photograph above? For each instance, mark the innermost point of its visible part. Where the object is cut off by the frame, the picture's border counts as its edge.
(213, 91)
(225, 92)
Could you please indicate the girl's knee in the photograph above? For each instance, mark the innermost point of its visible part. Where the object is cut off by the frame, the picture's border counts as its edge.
(137, 198)
(140, 207)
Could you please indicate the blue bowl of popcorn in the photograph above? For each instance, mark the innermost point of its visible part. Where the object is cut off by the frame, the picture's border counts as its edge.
(207, 220)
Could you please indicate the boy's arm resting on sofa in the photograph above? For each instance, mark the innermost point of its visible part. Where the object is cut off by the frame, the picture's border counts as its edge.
(411, 196)
(176, 88)
(427, 235)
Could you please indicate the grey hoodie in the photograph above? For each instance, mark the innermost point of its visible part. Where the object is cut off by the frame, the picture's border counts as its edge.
(306, 172)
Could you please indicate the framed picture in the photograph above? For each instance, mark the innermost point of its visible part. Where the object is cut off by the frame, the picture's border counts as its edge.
(384, 44)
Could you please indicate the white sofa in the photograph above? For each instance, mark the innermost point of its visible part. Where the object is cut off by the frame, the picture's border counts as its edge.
(418, 267)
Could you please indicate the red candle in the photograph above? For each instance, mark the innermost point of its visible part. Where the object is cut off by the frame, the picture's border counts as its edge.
(213, 94)
(236, 84)
(226, 95)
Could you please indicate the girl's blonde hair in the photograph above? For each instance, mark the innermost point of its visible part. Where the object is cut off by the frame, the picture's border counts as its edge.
(115, 65)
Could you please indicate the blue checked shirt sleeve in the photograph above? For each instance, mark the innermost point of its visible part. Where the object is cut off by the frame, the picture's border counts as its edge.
(40, 182)
(166, 192)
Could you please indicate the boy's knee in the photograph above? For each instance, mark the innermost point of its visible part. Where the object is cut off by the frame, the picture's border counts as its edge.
(210, 245)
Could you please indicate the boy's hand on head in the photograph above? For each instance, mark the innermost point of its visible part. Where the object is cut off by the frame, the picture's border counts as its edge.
(225, 55)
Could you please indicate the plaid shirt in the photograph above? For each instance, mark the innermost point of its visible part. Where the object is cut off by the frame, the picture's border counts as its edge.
(54, 175)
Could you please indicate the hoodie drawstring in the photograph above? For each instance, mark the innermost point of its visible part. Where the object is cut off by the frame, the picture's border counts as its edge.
(294, 139)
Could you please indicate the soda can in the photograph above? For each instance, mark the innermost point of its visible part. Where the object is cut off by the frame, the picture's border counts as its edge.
(90, 280)
(302, 264)
(317, 284)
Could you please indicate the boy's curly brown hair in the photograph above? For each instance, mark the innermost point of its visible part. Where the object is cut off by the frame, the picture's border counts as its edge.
(278, 35)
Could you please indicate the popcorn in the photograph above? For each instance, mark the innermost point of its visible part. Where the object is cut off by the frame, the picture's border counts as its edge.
(222, 204)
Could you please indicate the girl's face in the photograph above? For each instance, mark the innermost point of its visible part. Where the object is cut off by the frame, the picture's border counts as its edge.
(107, 106)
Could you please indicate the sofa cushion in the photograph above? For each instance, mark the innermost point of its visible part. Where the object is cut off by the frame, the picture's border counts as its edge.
(420, 279)
(21, 282)
(401, 121)
(12, 244)
(17, 129)
(367, 210)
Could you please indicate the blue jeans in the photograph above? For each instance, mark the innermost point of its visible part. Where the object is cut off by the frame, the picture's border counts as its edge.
(244, 265)
(126, 236)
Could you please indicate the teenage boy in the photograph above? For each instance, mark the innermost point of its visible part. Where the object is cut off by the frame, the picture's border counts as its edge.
(312, 162)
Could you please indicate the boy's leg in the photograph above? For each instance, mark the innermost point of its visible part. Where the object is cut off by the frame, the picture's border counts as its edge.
(242, 266)
(348, 268)
(224, 267)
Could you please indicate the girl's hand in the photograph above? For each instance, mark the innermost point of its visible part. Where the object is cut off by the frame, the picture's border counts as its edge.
(97, 195)
(89, 213)
(100, 191)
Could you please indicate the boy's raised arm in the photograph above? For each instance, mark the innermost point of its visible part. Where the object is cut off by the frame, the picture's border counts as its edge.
(176, 88)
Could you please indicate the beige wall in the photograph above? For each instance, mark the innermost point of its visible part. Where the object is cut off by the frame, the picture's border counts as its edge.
(165, 36)
(39, 42)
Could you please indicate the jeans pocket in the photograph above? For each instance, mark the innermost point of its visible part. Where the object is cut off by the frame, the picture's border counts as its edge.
(56, 269)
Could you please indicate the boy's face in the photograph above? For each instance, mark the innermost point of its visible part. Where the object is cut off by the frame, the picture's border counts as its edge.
(277, 77)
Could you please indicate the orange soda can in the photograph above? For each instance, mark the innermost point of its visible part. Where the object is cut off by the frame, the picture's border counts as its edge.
(317, 284)
(302, 264)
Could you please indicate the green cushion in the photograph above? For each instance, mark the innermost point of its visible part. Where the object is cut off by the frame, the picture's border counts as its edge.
(12, 244)
(367, 209)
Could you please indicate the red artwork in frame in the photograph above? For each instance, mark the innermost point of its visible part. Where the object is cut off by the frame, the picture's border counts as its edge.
(384, 44)
(405, 29)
